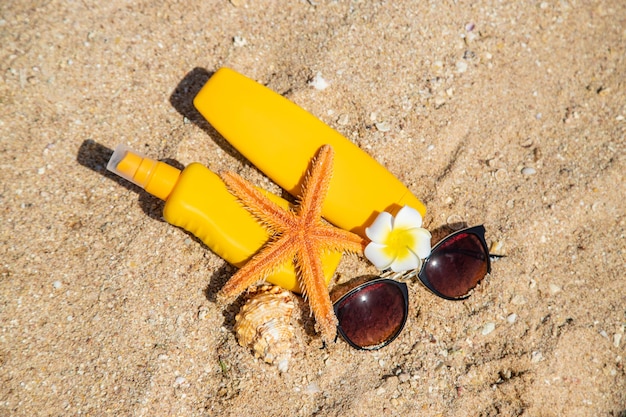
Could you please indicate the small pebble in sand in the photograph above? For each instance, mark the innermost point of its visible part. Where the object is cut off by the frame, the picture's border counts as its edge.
(455, 222)
(500, 174)
(617, 338)
(57, 284)
(312, 388)
(554, 289)
(343, 119)
(461, 67)
(497, 248)
(383, 127)
(526, 143)
(202, 314)
(180, 380)
(518, 300)
(536, 357)
(239, 41)
(529, 171)
(488, 328)
(318, 82)
(511, 318)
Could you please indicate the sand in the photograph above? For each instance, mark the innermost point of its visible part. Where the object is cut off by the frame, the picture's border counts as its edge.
(506, 114)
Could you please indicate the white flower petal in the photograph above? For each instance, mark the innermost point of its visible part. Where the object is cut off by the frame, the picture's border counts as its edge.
(377, 255)
(407, 218)
(405, 263)
(422, 238)
(380, 229)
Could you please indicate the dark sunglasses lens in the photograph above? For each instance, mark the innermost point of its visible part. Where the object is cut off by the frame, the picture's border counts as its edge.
(373, 316)
(457, 265)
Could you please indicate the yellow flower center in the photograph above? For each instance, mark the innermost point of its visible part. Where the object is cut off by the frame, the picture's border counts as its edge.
(398, 243)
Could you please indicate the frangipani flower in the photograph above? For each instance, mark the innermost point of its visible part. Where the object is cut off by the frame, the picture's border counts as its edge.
(398, 243)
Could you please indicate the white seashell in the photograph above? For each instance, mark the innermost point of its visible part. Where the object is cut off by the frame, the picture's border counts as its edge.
(264, 325)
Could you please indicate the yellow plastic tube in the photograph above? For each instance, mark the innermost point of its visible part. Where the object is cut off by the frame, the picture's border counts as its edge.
(280, 139)
(197, 200)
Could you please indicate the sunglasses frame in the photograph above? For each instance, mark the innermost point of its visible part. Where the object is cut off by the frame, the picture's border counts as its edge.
(392, 278)
(405, 295)
(478, 231)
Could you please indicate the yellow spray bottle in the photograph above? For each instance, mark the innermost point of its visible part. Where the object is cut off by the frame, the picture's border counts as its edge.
(197, 200)
(280, 138)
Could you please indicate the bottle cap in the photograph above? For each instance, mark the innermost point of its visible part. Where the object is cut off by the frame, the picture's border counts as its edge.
(157, 178)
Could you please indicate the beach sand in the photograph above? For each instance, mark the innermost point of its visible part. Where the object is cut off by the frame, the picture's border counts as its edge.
(510, 115)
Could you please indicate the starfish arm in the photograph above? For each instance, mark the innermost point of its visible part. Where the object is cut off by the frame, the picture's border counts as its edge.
(332, 238)
(309, 265)
(273, 216)
(302, 238)
(316, 185)
(259, 267)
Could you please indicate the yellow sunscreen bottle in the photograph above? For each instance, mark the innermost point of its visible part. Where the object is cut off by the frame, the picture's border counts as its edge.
(280, 139)
(197, 200)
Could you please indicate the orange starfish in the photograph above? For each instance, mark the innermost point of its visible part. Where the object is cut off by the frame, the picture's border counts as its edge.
(299, 236)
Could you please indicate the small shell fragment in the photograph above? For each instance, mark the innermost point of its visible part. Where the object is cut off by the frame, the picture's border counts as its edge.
(264, 325)
(318, 82)
(488, 328)
(382, 126)
(497, 248)
(455, 222)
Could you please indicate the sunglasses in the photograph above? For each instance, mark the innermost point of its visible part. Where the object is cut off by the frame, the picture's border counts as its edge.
(373, 314)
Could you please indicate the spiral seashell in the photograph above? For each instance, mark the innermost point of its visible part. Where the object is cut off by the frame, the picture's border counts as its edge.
(264, 325)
